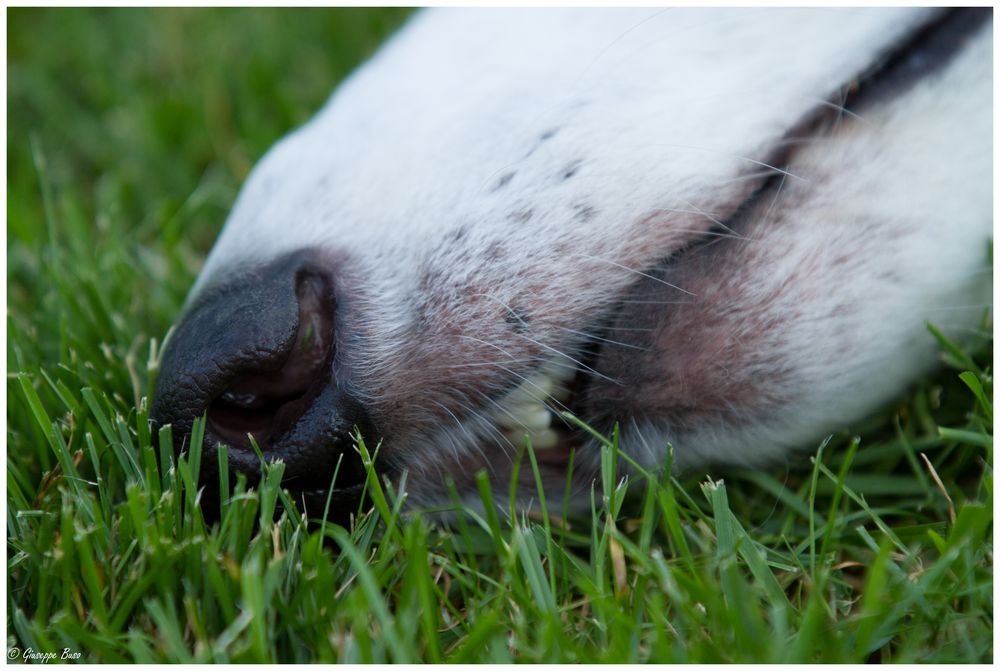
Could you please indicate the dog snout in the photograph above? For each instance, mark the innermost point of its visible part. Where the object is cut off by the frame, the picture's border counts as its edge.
(257, 355)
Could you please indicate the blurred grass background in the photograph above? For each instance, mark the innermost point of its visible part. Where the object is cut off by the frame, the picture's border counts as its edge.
(129, 133)
(145, 123)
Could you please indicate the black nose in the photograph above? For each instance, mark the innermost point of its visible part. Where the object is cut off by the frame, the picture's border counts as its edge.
(258, 353)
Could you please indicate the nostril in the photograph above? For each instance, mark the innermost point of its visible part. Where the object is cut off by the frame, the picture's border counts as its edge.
(267, 404)
(267, 352)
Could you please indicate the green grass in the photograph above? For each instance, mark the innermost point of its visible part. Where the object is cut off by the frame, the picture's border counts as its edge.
(125, 149)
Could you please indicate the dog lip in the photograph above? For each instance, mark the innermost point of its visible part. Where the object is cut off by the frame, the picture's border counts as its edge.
(923, 52)
(920, 53)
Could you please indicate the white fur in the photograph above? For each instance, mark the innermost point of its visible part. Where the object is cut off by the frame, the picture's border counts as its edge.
(669, 111)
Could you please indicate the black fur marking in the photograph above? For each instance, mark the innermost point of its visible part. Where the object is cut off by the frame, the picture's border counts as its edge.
(571, 169)
(503, 181)
(542, 139)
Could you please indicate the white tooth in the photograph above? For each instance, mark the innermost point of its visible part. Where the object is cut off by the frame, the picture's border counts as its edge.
(532, 418)
(540, 440)
(526, 418)
(544, 440)
(541, 385)
(527, 406)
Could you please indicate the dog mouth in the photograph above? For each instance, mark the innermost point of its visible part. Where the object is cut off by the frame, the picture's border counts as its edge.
(546, 409)
(533, 412)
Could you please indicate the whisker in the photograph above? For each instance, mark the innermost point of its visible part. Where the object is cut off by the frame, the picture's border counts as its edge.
(591, 336)
(488, 344)
(747, 177)
(635, 329)
(511, 311)
(637, 272)
(715, 220)
(459, 422)
(567, 356)
(736, 156)
(493, 433)
(612, 301)
(842, 110)
(505, 411)
(706, 232)
(774, 200)
(487, 363)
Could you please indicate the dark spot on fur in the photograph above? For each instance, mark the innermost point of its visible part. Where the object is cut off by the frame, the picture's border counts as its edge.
(521, 216)
(547, 135)
(457, 234)
(571, 170)
(518, 318)
(584, 212)
(503, 181)
(564, 248)
(495, 252)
